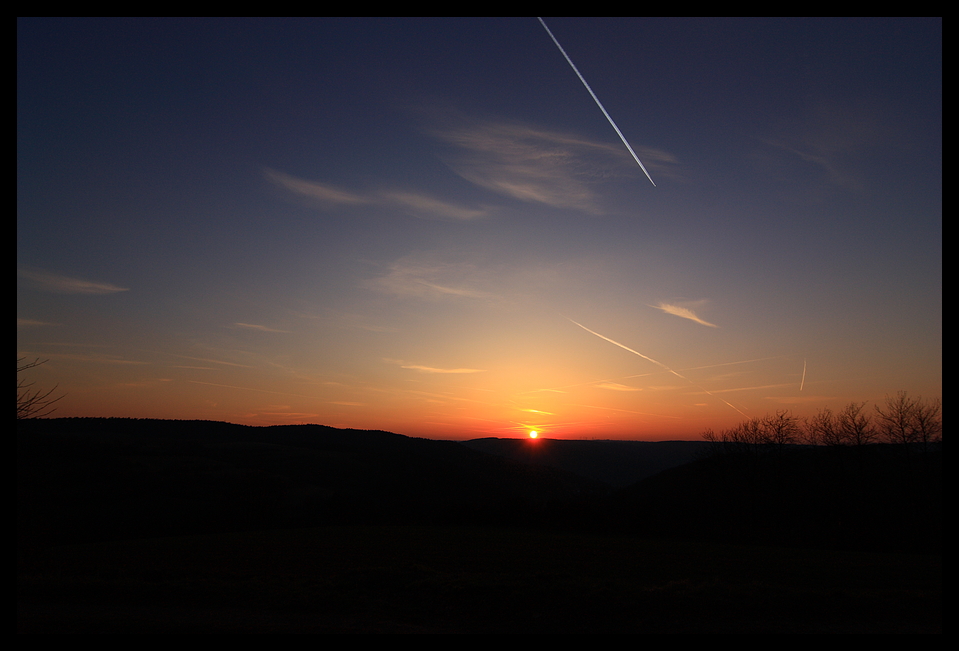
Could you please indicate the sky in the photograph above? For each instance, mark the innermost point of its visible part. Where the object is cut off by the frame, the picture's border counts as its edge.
(428, 226)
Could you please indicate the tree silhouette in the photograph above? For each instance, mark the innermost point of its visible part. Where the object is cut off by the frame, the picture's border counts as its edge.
(780, 429)
(910, 420)
(896, 418)
(855, 426)
(928, 422)
(823, 429)
(756, 435)
(33, 403)
(851, 426)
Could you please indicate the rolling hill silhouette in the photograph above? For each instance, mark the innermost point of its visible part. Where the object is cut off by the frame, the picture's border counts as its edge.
(83, 479)
(94, 479)
(130, 525)
(617, 463)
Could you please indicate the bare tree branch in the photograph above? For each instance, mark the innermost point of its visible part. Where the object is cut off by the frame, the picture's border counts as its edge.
(33, 403)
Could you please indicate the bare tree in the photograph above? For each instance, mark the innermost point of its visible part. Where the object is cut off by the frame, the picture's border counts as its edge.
(822, 429)
(855, 426)
(757, 434)
(910, 420)
(780, 429)
(928, 422)
(897, 419)
(33, 403)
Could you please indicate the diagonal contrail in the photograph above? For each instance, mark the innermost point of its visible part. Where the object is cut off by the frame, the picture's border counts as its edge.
(598, 103)
(802, 382)
(660, 364)
(616, 343)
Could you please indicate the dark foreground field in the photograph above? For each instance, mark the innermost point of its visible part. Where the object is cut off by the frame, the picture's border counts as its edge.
(446, 580)
(188, 526)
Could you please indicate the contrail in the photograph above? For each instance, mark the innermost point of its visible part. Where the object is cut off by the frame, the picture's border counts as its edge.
(616, 343)
(802, 382)
(660, 364)
(598, 103)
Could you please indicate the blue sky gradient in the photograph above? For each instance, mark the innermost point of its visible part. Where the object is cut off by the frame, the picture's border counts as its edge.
(399, 223)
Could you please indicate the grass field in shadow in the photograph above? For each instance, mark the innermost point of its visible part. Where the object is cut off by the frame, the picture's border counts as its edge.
(429, 579)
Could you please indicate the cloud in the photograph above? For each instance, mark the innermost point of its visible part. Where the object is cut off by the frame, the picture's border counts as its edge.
(343, 319)
(660, 364)
(799, 400)
(260, 328)
(756, 388)
(258, 390)
(51, 282)
(319, 192)
(838, 138)
(744, 361)
(423, 206)
(32, 323)
(98, 359)
(539, 166)
(416, 204)
(208, 360)
(431, 369)
(533, 165)
(417, 277)
(683, 312)
(828, 161)
(613, 386)
(521, 162)
(627, 411)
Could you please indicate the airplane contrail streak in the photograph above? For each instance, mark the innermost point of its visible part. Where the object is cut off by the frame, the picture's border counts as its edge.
(598, 103)
(802, 382)
(660, 364)
(616, 343)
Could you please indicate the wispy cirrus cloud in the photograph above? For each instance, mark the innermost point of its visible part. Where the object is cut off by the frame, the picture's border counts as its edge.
(799, 400)
(683, 312)
(33, 323)
(614, 386)
(539, 166)
(518, 161)
(432, 369)
(416, 204)
(98, 359)
(837, 138)
(423, 277)
(424, 206)
(58, 284)
(344, 319)
(259, 328)
(754, 388)
(319, 192)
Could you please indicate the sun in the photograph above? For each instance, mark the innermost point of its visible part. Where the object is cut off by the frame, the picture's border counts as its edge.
(533, 434)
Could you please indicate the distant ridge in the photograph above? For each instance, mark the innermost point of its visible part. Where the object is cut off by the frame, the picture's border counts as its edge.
(617, 463)
(90, 479)
(85, 479)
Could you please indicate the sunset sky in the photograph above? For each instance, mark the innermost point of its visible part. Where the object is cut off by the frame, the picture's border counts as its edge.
(428, 226)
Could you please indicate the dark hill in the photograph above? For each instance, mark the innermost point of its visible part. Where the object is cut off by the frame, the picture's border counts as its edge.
(876, 497)
(617, 463)
(188, 526)
(95, 479)
(101, 479)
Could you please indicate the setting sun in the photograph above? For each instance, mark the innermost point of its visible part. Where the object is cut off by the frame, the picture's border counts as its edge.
(490, 299)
